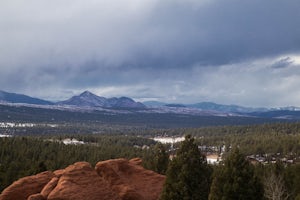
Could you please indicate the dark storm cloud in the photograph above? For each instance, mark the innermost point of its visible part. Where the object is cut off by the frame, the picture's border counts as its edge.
(147, 45)
(159, 33)
(220, 32)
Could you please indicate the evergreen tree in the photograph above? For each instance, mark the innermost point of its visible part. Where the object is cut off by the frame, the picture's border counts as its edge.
(188, 175)
(156, 158)
(161, 159)
(236, 180)
(292, 176)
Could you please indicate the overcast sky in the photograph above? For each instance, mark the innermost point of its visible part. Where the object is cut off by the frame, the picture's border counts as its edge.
(244, 52)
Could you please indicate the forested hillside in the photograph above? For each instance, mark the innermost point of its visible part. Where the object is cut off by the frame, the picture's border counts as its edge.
(281, 138)
(280, 143)
(129, 117)
(23, 156)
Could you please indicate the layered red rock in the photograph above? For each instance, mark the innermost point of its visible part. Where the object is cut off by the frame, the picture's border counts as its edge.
(26, 186)
(117, 179)
(81, 181)
(130, 180)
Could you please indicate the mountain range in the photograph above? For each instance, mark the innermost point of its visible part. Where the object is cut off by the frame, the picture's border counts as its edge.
(211, 106)
(7, 97)
(85, 99)
(92, 101)
(125, 111)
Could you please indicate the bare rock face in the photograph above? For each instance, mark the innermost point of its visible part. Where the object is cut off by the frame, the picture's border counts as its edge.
(49, 187)
(117, 179)
(36, 197)
(81, 181)
(130, 180)
(26, 186)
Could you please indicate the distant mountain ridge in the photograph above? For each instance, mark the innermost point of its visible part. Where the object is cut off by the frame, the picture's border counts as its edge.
(85, 99)
(89, 106)
(225, 108)
(210, 106)
(154, 103)
(7, 97)
(89, 99)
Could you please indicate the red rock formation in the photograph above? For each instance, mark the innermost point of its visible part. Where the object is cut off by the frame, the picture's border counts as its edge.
(80, 181)
(26, 186)
(129, 180)
(117, 179)
(49, 187)
(36, 197)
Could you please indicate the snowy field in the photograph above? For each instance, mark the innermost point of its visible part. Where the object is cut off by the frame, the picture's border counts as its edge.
(19, 125)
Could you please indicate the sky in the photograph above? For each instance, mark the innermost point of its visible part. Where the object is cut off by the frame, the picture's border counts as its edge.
(176, 51)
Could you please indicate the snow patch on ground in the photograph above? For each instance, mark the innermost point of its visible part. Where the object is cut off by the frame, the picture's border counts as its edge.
(168, 140)
(1, 135)
(68, 141)
(23, 125)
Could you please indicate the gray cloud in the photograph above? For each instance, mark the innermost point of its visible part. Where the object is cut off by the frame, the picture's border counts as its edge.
(282, 63)
(173, 50)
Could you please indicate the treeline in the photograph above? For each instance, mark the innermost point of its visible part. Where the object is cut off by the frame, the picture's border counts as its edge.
(275, 128)
(62, 128)
(128, 117)
(283, 138)
(101, 127)
(23, 156)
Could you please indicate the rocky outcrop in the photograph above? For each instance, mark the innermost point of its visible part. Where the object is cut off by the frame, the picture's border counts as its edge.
(130, 180)
(26, 186)
(117, 179)
(80, 181)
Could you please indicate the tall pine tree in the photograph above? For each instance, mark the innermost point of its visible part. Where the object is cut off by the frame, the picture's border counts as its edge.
(156, 158)
(236, 180)
(161, 159)
(188, 175)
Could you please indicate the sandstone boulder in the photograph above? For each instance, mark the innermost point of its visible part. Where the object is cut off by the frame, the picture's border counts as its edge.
(49, 187)
(24, 187)
(81, 181)
(117, 179)
(130, 180)
(36, 197)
